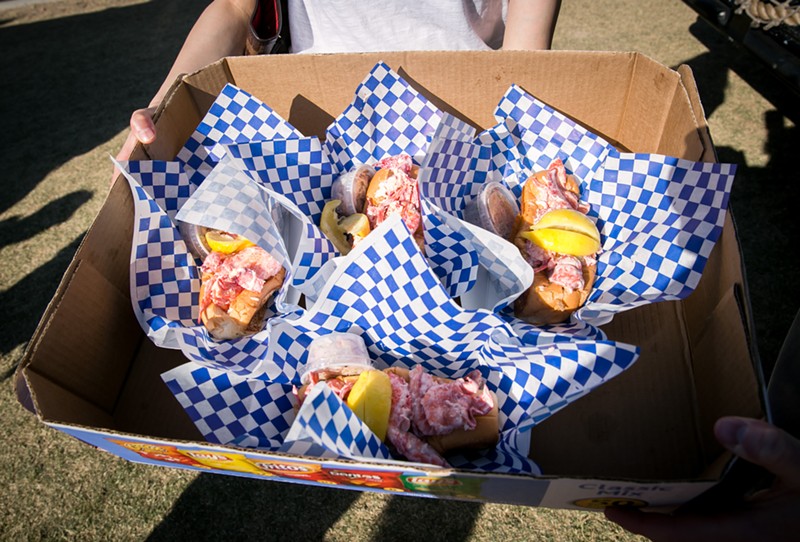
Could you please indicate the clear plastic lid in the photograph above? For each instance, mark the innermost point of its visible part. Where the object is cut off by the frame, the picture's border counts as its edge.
(337, 351)
(494, 209)
(195, 238)
(351, 189)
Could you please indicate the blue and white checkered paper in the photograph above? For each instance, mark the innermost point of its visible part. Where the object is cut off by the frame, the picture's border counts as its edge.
(232, 409)
(165, 280)
(235, 117)
(387, 117)
(658, 216)
(326, 427)
(202, 187)
(385, 291)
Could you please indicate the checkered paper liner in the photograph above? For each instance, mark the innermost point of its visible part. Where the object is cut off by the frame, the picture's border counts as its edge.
(659, 216)
(165, 280)
(202, 187)
(231, 409)
(385, 291)
(387, 117)
(234, 117)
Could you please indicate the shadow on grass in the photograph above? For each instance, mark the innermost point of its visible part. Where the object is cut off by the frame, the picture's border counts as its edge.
(724, 56)
(24, 303)
(16, 229)
(70, 84)
(763, 199)
(218, 507)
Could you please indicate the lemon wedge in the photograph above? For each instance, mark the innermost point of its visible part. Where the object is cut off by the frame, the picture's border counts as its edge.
(329, 224)
(356, 225)
(371, 400)
(337, 229)
(565, 231)
(226, 243)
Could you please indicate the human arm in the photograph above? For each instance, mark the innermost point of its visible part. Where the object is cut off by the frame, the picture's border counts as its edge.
(220, 31)
(530, 24)
(769, 515)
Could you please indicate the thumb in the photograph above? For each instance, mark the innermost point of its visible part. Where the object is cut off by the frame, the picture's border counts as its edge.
(762, 444)
(142, 125)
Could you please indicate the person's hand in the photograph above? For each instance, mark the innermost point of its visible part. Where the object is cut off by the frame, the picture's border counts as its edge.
(142, 130)
(773, 514)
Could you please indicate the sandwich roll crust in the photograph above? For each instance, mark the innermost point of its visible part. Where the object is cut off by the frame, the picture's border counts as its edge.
(235, 288)
(363, 198)
(560, 243)
(421, 417)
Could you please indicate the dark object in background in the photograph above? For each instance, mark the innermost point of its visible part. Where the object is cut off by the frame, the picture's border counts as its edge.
(269, 29)
(777, 46)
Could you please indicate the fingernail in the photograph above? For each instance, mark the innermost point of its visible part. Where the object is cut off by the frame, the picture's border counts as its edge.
(730, 433)
(146, 135)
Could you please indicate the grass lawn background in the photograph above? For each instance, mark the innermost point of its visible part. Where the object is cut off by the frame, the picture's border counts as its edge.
(73, 70)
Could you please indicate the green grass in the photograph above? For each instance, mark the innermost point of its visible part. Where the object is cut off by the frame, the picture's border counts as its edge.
(72, 100)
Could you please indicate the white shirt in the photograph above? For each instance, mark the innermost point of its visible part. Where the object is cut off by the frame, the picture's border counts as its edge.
(349, 26)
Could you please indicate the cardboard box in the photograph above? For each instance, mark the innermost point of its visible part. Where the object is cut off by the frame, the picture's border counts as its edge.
(645, 438)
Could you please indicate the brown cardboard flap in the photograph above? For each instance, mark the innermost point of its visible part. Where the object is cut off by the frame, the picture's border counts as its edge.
(709, 153)
(107, 245)
(638, 425)
(682, 138)
(88, 341)
(60, 405)
(659, 115)
(146, 406)
(208, 82)
(175, 123)
(722, 272)
(723, 370)
(649, 92)
(310, 90)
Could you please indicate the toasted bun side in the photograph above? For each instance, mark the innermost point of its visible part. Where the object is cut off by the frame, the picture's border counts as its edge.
(485, 434)
(380, 176)
(375, 183)
(240, 319)
(546, 302)
(374, 199)
(219, 324)
(419, 238)
(572, 185)
(534, 196)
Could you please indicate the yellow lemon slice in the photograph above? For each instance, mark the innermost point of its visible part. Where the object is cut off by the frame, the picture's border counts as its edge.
(225, 242)
(329, 224)
(356, 225)
(563, 241)
(568, 219)
(565, 231)
(337, 229)
(371, 400)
